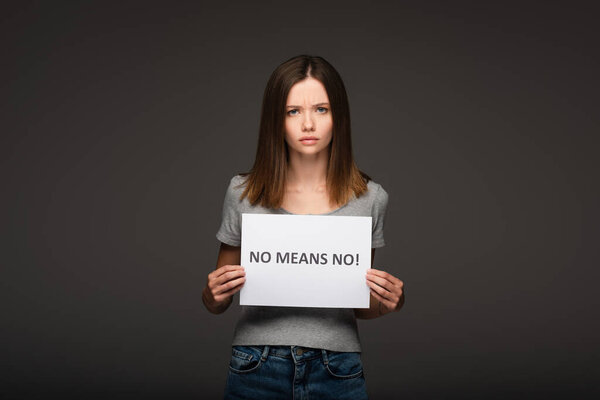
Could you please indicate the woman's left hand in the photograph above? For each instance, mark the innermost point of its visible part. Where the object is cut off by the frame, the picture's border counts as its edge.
(386, 288)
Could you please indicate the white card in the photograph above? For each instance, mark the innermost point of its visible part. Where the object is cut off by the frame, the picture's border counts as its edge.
(306, 260)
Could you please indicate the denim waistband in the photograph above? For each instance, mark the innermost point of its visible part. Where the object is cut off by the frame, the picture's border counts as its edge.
(297, 353)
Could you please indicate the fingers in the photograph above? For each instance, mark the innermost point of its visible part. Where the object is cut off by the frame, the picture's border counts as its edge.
(224, 269)
(385, 275)
(390, 297)
(225, 273)
(230, 292)
(395, 286)
(226, 277)
(386, 288)
(226, 281)
(225, 287)
(388, 304)
(381, 282)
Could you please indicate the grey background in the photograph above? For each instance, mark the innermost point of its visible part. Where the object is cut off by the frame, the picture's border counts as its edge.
(122, 123)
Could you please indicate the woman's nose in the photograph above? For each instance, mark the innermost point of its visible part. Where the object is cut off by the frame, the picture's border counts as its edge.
(308, 123)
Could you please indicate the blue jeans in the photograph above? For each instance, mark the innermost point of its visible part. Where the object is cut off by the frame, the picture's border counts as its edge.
(293, 372)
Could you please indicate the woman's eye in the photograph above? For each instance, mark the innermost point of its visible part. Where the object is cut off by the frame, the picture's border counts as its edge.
(321, 110)
(292, 112)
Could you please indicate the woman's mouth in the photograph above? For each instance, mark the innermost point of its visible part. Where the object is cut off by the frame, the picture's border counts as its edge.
(308, 140)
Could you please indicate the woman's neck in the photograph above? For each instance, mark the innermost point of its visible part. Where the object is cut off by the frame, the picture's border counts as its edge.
(307, 172)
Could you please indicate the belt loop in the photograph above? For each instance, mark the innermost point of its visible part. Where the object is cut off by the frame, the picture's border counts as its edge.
(265, 354)
(325, 359)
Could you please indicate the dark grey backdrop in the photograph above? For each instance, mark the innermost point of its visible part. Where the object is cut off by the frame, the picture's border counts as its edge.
(122, 123)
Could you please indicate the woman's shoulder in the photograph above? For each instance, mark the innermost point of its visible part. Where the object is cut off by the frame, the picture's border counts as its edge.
(236, 198)
(235, 188)
(373, 186)
(376, 192)
(237, 183)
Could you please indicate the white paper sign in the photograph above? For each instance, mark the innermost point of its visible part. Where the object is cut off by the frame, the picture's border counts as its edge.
(305, 260)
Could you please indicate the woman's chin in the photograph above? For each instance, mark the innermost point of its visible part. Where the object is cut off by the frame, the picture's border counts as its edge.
(309, 152)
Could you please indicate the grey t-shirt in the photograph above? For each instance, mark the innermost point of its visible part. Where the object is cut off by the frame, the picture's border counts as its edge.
(323, 328)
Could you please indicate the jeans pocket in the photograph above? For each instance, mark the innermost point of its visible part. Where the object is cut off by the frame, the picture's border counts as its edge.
(245, 359)
(343, 365)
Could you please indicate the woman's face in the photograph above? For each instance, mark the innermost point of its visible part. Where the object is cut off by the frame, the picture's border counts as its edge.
(308, 120)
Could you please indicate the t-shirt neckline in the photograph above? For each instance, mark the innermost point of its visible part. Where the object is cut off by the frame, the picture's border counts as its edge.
(328, 213)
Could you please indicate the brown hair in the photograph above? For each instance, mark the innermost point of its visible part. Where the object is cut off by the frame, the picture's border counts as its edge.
(265, 183)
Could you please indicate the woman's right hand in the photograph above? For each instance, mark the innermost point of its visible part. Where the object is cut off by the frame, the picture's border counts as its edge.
(221, 285)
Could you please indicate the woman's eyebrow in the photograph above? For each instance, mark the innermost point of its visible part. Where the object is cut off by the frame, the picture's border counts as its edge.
(314, 105)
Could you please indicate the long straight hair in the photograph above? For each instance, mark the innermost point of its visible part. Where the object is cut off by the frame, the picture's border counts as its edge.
(265, 182)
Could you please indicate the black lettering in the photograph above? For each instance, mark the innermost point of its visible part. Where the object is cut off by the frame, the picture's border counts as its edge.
(323, 258)
(284, 259)
(294, 258)
(346, 259)
(267, 258)
(254, 256)
(337, 259)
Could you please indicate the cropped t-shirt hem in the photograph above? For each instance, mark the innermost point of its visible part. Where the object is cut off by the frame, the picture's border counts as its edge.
(341, 349)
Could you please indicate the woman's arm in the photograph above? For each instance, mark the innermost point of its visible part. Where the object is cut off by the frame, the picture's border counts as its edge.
(226, 280)
(387, 293)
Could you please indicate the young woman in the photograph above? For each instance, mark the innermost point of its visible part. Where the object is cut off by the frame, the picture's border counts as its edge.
(304, 165)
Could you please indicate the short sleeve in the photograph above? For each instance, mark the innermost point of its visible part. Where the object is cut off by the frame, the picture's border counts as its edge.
(378, 213)
(231, 222)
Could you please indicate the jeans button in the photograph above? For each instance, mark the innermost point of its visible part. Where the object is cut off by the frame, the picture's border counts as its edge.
(299, 352)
